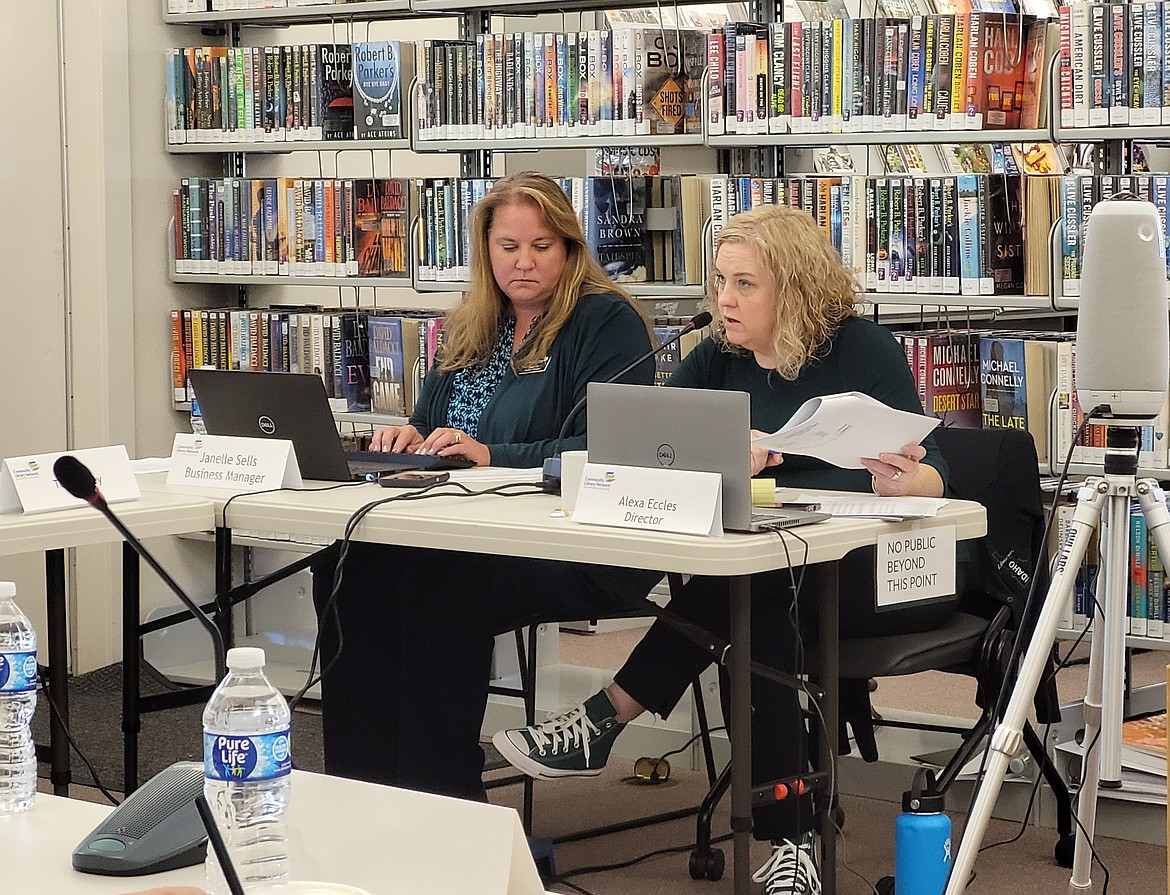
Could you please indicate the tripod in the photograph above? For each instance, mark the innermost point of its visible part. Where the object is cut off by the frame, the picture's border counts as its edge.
(1105, 500)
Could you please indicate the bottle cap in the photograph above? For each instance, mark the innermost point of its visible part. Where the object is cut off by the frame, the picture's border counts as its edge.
(245, 658)
(922, 798)
(7, 588)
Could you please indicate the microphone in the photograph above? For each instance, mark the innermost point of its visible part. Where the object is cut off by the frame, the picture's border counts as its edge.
(76, 478)
(551, 480)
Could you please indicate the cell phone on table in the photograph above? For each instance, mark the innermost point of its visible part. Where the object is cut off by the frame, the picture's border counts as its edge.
(412, 479)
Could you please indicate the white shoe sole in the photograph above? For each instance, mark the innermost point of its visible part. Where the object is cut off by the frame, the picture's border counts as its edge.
(521, 761)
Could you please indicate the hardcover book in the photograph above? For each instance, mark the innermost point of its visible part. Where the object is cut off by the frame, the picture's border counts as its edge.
(387, 386)
(377, 89)
(334, 110)
(615, 226)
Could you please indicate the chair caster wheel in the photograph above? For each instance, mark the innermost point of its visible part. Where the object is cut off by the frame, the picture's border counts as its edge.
(707, 865)
(884, 886)
(1064, 851)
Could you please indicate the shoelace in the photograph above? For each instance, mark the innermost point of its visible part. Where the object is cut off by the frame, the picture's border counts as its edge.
(790, 869)
(565, 731)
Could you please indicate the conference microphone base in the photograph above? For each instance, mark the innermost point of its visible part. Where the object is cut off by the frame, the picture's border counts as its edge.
(550, 480)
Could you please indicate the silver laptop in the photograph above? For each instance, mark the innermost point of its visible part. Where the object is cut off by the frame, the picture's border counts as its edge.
(703, 430)
(294, 406)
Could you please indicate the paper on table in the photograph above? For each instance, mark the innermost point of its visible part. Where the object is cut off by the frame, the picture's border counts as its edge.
(873, 505)
(841, 429)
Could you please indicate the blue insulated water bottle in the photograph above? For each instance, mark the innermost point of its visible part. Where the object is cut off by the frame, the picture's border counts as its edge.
(922, 839)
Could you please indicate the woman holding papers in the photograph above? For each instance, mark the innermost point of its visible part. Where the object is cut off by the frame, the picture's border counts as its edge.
(404, 696)
(786, 329)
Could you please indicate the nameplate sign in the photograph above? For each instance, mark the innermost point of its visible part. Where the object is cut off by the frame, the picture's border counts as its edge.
(28, 483)
(915, 566)
(226, 461)
(673, 500)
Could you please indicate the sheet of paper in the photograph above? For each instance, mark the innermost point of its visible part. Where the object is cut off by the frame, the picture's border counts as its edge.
(841, 429)
(871, 505)
(494, 475)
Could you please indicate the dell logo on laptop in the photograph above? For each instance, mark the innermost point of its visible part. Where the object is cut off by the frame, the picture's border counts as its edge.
(665, 455)
(267, 426)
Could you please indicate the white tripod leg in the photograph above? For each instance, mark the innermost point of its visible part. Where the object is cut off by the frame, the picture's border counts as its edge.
(1008, 736)
(1106, 672)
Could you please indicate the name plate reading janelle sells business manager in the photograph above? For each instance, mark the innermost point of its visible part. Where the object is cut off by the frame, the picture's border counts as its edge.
(227, 461)
(673, 500)
(28, 483)
(915, 566)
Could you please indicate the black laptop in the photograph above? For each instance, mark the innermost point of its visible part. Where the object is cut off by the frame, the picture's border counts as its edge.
(294, 406)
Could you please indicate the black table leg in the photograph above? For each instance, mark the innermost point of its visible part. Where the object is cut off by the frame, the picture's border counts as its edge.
(131, 670)
(223, 588)
(827, 752)
(58, 651)
(741, 738)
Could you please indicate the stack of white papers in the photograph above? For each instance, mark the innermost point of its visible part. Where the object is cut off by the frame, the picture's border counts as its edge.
(875, 507)
(841, 429)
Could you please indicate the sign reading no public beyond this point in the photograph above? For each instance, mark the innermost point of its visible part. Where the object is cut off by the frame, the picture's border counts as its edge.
(914, 566)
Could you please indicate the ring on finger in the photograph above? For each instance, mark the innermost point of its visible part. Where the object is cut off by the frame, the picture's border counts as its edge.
(897, 474)
(458, 437)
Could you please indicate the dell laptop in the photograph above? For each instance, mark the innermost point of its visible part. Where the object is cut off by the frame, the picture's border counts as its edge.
(701, 430)
(294, 406)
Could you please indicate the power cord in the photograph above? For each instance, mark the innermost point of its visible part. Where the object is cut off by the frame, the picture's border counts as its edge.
(97, 781)
(563, 878)
(329, 610)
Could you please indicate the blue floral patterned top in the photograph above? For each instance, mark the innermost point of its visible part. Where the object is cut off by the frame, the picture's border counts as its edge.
(474, 386)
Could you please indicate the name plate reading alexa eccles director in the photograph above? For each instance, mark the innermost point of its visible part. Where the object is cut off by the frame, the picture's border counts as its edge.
(227, 461)
(673, 500)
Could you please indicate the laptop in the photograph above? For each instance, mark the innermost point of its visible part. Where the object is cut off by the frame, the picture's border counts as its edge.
(294, 406)
(702, 430)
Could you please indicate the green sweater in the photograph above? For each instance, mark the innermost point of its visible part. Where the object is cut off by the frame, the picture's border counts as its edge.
(863, 357)
(523, 418)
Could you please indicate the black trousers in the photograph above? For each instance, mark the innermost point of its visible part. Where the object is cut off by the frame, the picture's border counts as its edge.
(664, 663)
(404, 696)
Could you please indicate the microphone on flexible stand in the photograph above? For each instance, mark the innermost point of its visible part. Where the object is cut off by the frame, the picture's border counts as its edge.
(76, 478)
(551, 480)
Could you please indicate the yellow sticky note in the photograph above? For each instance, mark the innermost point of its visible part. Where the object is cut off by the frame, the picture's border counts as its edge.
(764, 492)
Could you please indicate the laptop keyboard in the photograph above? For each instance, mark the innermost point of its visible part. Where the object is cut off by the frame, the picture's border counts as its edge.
(363, 463)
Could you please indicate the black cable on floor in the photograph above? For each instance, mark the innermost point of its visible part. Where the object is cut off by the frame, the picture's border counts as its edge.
(97, 782)
(562, 878)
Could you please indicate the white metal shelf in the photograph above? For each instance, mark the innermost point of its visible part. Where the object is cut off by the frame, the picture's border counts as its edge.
(286, 146)
(227, 279)
(532, 144)
(297, 15)
(877, 138)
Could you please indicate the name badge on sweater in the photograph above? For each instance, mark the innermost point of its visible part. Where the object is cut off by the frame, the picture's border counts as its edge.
(535, 367)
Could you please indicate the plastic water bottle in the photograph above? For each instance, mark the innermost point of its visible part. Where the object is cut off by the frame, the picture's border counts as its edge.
(922, 839)
(18, 698)
(246, 763)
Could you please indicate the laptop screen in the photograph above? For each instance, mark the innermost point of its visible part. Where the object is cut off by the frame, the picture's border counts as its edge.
(701, 430)
(292, 406)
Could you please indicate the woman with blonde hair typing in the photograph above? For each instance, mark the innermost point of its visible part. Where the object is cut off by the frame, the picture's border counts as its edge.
(786, 328)
(404, 698)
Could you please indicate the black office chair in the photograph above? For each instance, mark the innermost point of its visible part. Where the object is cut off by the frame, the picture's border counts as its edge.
(999, 469)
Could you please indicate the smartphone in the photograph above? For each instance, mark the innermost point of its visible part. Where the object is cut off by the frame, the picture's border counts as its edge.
(412, 479)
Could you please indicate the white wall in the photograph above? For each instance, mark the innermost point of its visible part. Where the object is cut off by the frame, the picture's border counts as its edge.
(32, 318)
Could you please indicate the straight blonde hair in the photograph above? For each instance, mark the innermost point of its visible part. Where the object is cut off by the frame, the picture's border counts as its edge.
(473, 327)
(813, 290)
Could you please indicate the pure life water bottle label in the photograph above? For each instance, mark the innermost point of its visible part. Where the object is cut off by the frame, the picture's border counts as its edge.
(18, 672)
(244, 759)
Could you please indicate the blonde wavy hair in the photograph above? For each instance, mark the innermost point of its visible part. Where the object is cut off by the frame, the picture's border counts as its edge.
(473, 327)
(813, 290)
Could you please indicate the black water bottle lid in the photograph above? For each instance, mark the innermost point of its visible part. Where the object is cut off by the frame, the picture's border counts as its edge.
(922, 798)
